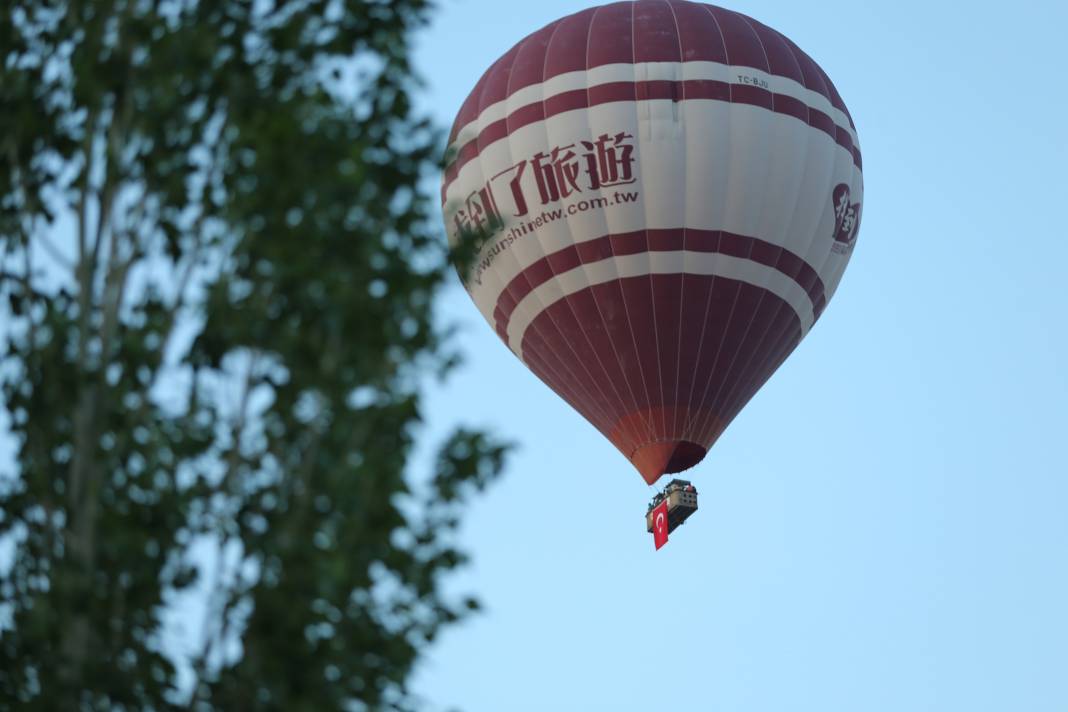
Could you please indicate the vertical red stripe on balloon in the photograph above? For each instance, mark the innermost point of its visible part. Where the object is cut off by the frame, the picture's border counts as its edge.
(529, 65)
(667, 296)
(656, 39)
(553, 342)
(495, 85)
(743, 47)
(567, 49)
(781, 60)
(809, 70)
(698, 31)
(612, 27)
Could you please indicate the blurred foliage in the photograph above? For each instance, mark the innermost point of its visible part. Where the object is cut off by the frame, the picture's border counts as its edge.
(217, 263)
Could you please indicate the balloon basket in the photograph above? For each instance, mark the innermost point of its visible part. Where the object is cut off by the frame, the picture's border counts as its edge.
(681, 498)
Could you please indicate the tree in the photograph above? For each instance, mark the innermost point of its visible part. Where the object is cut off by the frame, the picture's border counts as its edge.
(218, 266)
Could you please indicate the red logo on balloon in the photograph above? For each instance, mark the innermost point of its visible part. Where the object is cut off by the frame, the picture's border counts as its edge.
(846, 217)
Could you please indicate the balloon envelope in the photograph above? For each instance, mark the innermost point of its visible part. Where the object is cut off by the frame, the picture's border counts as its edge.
(667, 195)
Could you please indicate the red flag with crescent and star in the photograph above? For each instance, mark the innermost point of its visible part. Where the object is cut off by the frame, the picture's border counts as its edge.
(660, 524)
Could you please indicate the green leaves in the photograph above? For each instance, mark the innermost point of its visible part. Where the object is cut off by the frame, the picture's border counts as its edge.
(218, 265)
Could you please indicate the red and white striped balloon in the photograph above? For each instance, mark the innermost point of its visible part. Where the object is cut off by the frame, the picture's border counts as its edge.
(670, 193)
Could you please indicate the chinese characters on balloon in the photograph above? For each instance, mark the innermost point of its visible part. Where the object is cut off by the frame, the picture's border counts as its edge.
(556, 174)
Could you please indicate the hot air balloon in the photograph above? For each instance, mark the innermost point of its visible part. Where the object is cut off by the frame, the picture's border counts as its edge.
(666, 195)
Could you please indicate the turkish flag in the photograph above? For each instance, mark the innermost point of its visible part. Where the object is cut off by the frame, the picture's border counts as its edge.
(660, 524)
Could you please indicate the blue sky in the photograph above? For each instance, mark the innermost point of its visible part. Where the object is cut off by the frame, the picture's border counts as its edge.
(885, 526)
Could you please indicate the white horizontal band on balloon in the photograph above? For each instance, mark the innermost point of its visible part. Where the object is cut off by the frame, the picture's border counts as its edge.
(636, 265)
(653, 242)
(648, 71)
(631, 93)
